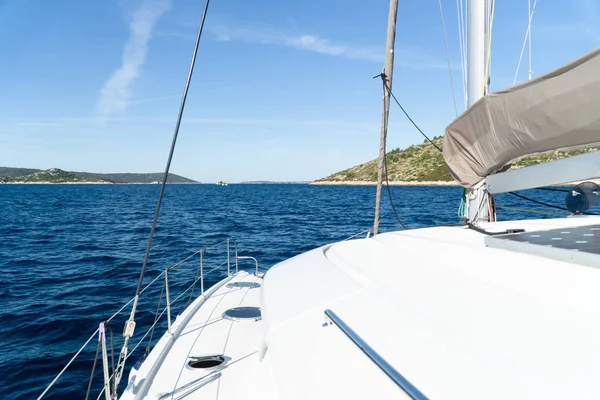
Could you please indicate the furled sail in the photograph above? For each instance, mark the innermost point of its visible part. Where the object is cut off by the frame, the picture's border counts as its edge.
(559, 110)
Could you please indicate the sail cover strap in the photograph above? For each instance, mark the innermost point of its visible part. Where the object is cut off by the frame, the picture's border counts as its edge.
(559, 110)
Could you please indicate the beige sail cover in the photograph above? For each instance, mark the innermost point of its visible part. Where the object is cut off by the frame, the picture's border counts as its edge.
(559, 110)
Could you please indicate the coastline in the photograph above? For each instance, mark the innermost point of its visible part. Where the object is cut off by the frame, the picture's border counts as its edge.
(56, 183)
(392, 183)
(97, 183)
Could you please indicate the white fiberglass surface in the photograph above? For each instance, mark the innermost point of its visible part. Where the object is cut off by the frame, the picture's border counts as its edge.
(459, 320)
(208, 333)
(465, 321)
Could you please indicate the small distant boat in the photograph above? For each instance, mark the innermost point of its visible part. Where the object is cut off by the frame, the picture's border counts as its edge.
(221, 183)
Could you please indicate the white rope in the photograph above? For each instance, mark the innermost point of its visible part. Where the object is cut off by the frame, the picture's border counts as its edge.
(524, 42)
(448, 58)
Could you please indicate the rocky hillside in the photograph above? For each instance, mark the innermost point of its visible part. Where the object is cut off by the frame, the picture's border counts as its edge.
(53, 175)
(9, 172)
(420, 162)
(424, 163)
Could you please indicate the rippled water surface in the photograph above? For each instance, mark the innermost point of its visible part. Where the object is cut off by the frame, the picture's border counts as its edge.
(70, 255)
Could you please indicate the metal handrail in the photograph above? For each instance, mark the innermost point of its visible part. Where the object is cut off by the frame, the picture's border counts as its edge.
(167, 308)
(390, 371)
(249, 258)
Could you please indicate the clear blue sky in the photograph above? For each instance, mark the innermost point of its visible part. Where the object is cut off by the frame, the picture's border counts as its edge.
(283, 90)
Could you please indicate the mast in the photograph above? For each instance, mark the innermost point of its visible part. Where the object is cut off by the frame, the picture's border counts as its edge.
(387, 79)
(529, 35)
(477, 18)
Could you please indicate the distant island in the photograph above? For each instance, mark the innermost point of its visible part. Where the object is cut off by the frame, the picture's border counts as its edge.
(56, 175)
(423, 165)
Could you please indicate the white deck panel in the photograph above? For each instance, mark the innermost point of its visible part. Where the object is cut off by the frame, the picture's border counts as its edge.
(458, 319)
(208, 333)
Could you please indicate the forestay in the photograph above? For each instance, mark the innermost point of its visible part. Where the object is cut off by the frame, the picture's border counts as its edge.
(558, 110)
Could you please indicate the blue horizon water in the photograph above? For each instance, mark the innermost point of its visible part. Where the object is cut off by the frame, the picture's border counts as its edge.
(70, 255)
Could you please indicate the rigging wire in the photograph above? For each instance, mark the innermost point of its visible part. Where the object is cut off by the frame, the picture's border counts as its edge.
(553, 189)
(525, 41)
(532, 211)
(382, 75)
(489, 48)
(448, 57)
(440, 150)
(387, 184)
(544, 204)
(462, 47)
(198, 275)
(162, 291)
(389, 90)
(89, 389)
(529, 39)
(130, 323)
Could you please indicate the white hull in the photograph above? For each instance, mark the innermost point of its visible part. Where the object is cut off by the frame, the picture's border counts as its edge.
(509, 325)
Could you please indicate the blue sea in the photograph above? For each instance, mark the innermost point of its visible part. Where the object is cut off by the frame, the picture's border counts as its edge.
(70, 256)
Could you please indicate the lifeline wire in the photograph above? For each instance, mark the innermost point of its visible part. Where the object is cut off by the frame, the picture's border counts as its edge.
(123, 354)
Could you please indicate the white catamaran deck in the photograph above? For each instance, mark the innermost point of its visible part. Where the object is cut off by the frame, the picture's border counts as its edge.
(458, 320)
(207, 333)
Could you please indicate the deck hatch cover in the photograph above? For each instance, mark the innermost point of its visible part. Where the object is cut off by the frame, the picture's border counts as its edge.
(249, 285)
(579, 245)
(243, 314)
(206, 362)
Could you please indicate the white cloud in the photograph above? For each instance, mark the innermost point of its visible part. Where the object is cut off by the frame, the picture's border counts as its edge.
(116, 93)
(407, 57)
(303, 42)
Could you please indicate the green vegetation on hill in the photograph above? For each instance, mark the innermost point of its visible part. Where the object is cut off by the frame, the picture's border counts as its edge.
(53, 175)
(424, 163)
(7, 172)
(420, 162)
(10, 172)
(137, 178)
